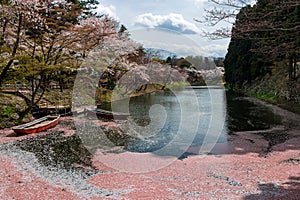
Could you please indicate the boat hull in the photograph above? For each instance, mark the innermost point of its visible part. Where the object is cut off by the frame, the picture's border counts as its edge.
(107, 114)
(37, 126)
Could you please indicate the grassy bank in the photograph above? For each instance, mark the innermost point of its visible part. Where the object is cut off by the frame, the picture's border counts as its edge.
(288, 105)
(275, 88)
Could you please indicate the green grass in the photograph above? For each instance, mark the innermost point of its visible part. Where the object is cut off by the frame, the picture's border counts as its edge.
(291, 106)
(265, 97)
(273, 99)
(177, 85)
(7, 112)
(273, 89)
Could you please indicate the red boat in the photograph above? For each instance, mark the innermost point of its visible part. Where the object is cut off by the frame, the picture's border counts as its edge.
(38, 125)
(107, 114)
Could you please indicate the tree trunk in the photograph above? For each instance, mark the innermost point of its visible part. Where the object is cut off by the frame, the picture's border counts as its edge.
(145, 87)
(35, 99)
(295, 68)
(61, 84)
(3, 32)
(290, 68)
(14, 51)
(22, 114)
(4, 71)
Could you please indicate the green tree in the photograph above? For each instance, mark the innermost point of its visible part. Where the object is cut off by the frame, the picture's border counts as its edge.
(183, 63)
(268, 29)
(46, 43)
(122, 29)
(263, 33)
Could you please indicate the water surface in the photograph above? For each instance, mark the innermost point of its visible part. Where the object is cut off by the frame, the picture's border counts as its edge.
(160, 117)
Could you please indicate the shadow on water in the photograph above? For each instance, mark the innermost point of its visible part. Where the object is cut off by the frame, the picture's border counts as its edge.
(291, 190)
(246, 116)
(243, 115)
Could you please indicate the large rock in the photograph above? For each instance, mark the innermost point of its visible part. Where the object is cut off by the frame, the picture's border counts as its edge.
(9, 105)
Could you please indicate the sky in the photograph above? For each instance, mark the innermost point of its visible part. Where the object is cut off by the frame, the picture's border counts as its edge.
(166, 24)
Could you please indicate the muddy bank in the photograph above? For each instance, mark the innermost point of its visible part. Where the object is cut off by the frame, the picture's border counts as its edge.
(289, 119)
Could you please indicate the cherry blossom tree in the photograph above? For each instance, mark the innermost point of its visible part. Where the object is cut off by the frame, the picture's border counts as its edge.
(40, 41)
(105, 65)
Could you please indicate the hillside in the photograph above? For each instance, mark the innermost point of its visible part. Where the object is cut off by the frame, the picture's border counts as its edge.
(264, 51)
(276, 88)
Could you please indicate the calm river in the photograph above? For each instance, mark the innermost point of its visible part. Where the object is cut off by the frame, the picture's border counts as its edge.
(191, 117)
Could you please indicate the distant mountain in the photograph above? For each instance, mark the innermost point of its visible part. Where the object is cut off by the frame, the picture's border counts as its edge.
(159, 53)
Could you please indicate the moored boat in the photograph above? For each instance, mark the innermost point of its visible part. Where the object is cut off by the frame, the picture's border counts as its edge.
(37, 125)
(107, 114)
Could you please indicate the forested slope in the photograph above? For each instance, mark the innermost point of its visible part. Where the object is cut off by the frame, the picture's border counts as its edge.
(263, 55)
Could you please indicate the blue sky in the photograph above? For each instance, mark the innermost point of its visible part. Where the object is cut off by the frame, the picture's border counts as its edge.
(176, 16)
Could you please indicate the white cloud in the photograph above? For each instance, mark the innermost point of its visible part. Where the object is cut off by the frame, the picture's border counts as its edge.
(199, 3)
(179, 44)
(107, 10)
(217, 50)
(172, 21)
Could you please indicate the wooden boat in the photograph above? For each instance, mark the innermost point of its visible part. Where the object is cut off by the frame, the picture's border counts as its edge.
(107, 114)
(38, 125)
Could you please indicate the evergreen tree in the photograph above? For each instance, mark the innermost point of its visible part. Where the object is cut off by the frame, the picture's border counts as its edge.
(262, 34)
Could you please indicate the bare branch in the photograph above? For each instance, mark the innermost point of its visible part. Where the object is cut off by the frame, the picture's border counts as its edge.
(231, 3)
